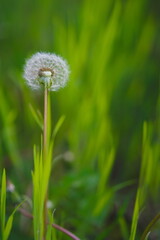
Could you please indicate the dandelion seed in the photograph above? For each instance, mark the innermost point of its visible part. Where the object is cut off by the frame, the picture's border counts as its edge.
(46, 70)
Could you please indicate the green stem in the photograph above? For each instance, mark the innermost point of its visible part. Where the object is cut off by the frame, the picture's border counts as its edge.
(150, 225)
(45, 153)
(45, 140)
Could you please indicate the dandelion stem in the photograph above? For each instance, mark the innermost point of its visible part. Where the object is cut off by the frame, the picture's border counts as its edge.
(45, 155)
(45, 140)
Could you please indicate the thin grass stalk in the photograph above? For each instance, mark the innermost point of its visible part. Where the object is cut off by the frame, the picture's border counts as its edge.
(3, 203)
(150, 226)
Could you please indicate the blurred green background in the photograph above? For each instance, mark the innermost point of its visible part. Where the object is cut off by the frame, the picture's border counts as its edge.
(113, 51)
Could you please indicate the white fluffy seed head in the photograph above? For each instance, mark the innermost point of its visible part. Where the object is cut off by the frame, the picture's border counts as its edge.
(46, 70)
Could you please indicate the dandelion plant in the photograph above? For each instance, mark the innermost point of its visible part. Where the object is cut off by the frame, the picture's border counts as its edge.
(48, 72)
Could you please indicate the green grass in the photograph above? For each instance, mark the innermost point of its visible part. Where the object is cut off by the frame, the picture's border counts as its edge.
(6, 226)
(103, 175)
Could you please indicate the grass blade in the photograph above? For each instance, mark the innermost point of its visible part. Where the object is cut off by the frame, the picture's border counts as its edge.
(8, 227)
(3, 202)
(58, 125)
(37, 117)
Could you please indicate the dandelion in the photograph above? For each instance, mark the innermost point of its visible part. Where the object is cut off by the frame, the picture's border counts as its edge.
(46, 70)
(49, 72)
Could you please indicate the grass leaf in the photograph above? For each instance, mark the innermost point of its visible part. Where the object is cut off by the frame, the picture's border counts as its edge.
(8, 227)
(37, 116)
(58, 125)
(3, 202)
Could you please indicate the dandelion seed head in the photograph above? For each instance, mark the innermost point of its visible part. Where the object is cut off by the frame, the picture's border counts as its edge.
(46, 70)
